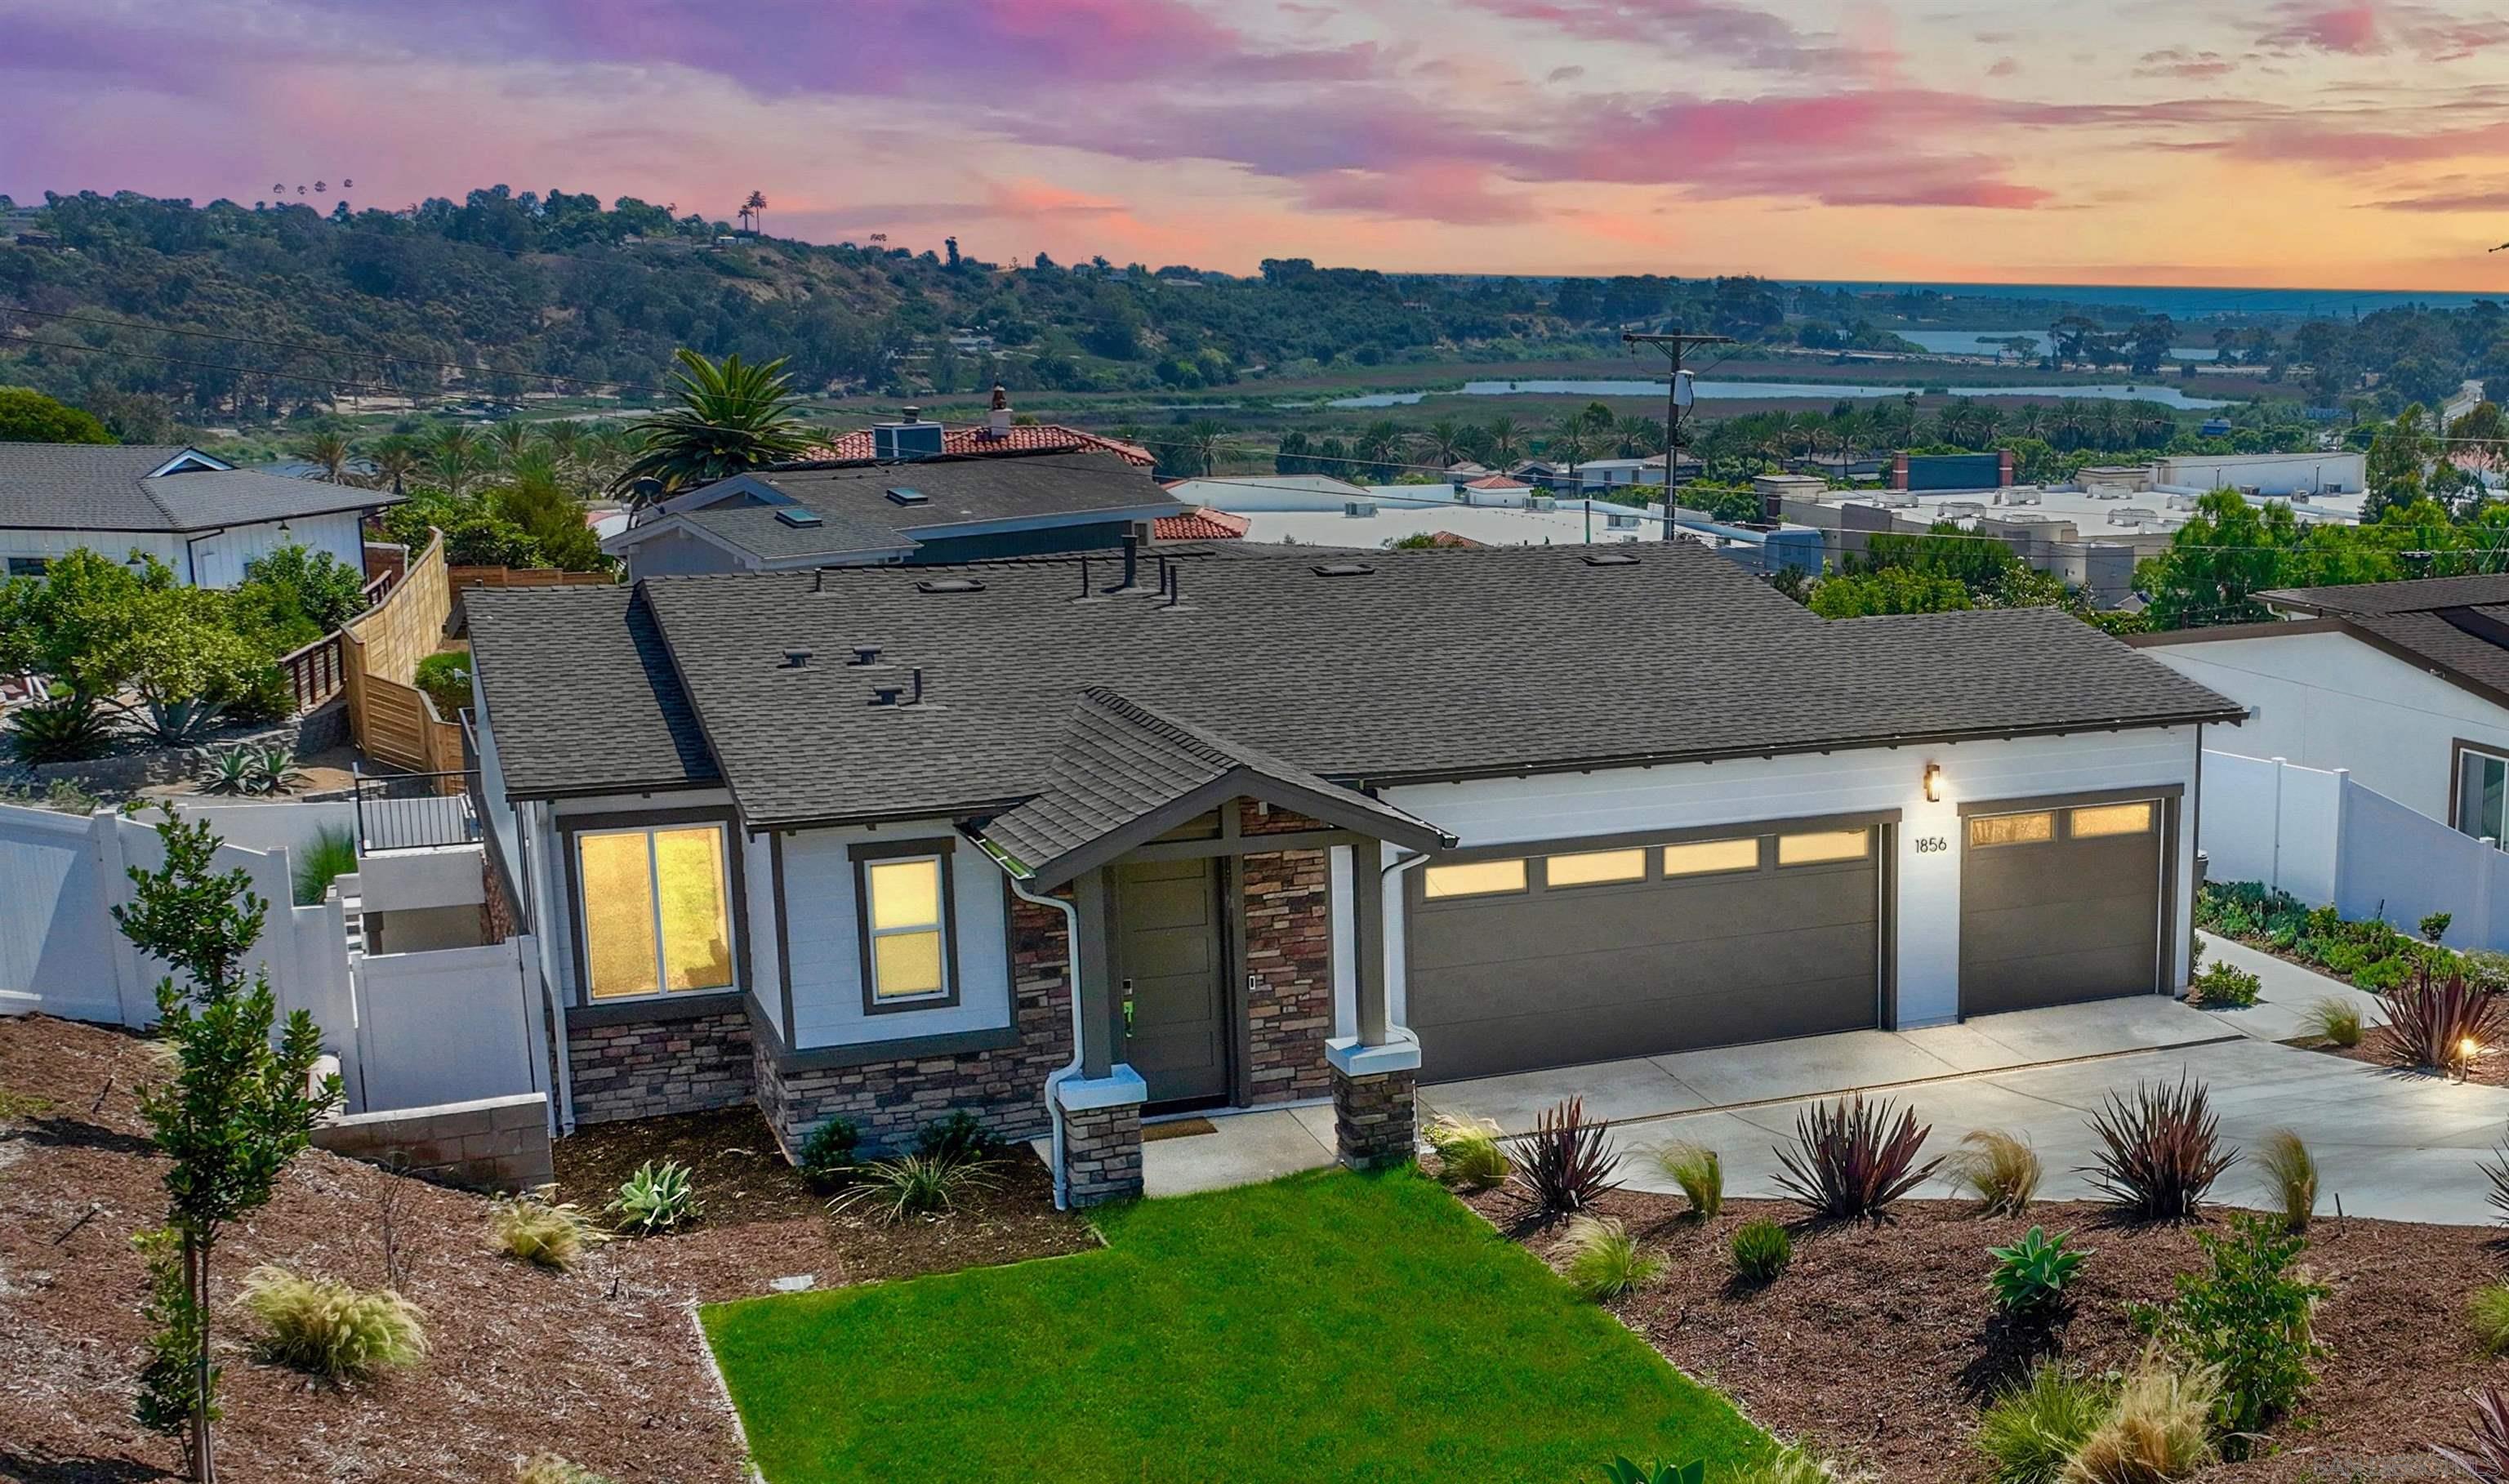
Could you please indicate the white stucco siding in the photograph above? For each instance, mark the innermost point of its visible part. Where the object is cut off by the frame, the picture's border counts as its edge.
(2327, 700)
(1746, 790)
(821, 931)
(766, 958)
(218, 558)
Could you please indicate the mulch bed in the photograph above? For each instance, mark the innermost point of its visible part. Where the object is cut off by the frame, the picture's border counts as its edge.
(602, 1364)
(2491, 1069)
(1878, 1347)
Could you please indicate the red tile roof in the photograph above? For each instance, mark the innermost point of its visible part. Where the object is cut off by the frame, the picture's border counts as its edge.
(1498, 482)
(973, 439)
(1201, 524)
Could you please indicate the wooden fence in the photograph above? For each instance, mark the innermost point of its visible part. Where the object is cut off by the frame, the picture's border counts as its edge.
(314, 672)
(392, 720)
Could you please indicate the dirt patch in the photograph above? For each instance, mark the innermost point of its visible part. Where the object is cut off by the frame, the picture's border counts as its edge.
(601, 1365)
(1878, 1347)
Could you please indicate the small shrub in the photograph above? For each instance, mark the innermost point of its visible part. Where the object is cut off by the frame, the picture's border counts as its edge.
(2485, 969)
(2226, 987)
(2162, 1152)
(2335, 1021)
(1789, 1464)
(1999, 1169)
(2029, 1432)
(1850, 1161)
(323, 1325)
(657, 1197)
(2291, 1178)
(1605, 1261)
(2247, 1320)
(914, 1185)
(1761, 1250)
(1622, 1471)
(2486, 1311)
(70, 729)
(2156, 1431)
(2488, 1461)
(1699, 1173)
(2030, 1277)
(1468, 1150)
(333, 854)
(827, 1157)
(549, 1469)
(2495, 1171)
(2440, 1023)
(446, 677)
(1565, 1163)
(541, 1234)
(959, 1137)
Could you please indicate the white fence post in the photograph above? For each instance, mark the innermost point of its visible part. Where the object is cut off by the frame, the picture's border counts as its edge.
(2274, 876)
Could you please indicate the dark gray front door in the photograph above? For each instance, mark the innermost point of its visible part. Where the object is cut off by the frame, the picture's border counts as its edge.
(2060, 904)
(1745, 937)
(1168, 953)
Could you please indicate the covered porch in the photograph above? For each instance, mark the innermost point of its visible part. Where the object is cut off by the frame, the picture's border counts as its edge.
(1227, 928)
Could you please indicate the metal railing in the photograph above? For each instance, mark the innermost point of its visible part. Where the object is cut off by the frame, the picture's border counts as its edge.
(414, 811)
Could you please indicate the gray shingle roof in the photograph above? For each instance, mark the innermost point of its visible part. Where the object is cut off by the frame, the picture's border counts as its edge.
(580, 694)
(967, 490)
(2420, 595)
(1123, 770)
(1437, 664)
(761, 531)
(90, 487)
(2458, 626)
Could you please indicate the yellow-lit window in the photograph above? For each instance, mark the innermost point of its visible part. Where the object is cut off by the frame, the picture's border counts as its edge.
(657, 911)
(1988, 830)
(1479, 879)
(1594, 867)
(1700, 856)
(909, 959)
(1822, 846)
(2113, 819)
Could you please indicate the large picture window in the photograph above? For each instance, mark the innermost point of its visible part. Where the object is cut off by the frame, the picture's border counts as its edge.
(906, 928)
(657, 911)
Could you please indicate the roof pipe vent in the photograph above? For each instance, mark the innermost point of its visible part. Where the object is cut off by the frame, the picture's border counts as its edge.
(886, 696)
(1132, 560)
(866, 655)
(797, 659)
(917, 699)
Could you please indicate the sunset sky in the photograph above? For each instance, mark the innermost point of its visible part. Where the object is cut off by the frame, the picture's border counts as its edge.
(2266, 142)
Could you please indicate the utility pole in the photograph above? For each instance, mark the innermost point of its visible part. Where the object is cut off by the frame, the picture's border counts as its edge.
(1672, 345)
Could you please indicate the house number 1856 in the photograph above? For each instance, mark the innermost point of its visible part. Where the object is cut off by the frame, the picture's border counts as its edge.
(1928, 844)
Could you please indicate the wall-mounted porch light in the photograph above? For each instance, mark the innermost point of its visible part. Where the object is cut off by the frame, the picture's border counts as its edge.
(1933, 782)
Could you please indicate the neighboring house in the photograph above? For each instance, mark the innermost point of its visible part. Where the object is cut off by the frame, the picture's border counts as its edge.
(2406, 684)
(998, 434)
(944, 508)
(1018, 839)
(1200, 523)
(200, 516)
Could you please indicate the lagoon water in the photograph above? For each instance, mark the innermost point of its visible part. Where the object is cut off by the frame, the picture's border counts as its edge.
(1731, 391)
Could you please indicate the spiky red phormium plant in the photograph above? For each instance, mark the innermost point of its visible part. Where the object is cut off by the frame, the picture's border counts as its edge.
(1851, 1160)
(2161, 1151)
(1566, 1162)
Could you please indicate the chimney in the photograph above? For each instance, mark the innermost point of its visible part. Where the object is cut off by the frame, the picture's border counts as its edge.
(1132, 561)
(998, 421)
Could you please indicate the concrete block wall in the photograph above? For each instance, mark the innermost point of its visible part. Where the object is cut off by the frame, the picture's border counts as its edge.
(491, 1143)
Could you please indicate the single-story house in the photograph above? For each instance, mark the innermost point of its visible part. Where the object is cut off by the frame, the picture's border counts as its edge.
(2404, 683)
(999, 433)
(936, 509)
(198, 514)
(1060, 844)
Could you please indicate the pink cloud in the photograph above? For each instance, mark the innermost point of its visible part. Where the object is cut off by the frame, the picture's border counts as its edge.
(1436, 190)
(2374, 27)
(2005, 67)
(2351, 28)
(1735, 33)
(2183, 63)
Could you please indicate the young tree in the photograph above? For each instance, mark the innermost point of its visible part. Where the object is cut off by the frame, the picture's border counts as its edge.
(237, 1109)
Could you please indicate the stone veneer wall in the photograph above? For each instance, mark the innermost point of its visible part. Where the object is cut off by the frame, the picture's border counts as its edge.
(1376, 1119)
(1101, 1154)
(1289, 974)
(1005, 1089)
(645, 1069)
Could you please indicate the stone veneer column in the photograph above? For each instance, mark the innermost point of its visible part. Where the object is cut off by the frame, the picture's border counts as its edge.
(1102, 1136)
(1375, 1116)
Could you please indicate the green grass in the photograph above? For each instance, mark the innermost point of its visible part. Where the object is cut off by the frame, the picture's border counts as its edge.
(1324, 1326)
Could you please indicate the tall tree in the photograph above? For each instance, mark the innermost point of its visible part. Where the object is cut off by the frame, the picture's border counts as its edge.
(330, 453)
(237, 1109)
(731, 417)
(27, 416)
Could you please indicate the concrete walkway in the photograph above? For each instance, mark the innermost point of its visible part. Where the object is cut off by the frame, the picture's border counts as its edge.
(2284, 992)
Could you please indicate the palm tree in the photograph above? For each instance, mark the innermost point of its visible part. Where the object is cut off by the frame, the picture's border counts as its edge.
(1444, 441)
(732, 417)
(394, 459)
(563, 439)
(509, 440)
(754, 213)
(1381, 447)
(454, 458)
(330, 453)
(1506, 437)
(1203, 440)
(1567, 441)
(1636, 436)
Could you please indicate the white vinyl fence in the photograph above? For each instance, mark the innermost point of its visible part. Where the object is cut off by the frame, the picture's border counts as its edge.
(2326, 839)
(410, 1030)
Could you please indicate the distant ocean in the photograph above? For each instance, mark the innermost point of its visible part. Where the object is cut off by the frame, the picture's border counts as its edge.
(2183, 303)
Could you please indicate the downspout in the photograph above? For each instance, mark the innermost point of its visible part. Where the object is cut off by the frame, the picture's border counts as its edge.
(1072, 969)
(1385, 875)
(565, 1056)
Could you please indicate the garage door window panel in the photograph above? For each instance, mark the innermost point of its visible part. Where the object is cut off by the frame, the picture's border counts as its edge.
(1700, 858)
(1473, 878)
(1824, 848)
(1594, 868)
(2107, 820)
(1987, 831)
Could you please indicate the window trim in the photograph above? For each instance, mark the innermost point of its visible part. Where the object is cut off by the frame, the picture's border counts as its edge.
(572, 826)
(863, 856)
(2457, 748)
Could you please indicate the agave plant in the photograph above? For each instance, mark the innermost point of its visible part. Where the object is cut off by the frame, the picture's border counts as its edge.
(1566, 1162)
(71, 728)
(233, 770)
(2442, 1023)
(1851, 1160)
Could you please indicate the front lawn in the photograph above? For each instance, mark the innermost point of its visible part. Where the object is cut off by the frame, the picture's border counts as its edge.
(1323, 1327)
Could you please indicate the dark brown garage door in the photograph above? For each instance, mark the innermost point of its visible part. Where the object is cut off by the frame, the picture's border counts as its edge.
(1598, 954)
(2061, 903)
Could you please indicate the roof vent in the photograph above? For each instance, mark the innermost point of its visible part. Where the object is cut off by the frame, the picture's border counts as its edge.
(865, 653)
(1343, 570)
(1611, 559)
(899, 495)
(797, 659)
(1358, 509)
(949, 586)
(886, 696)
(795, 515)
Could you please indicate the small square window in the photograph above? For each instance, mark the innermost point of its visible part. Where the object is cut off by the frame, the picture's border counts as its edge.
(2113, 819)
(1990, 830)
(903, 910)
(1702, 857)
(1821, 847)
(1477, 878)
(1594, 867)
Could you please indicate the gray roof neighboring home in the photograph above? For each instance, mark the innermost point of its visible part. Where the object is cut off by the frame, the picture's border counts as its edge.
(141, 487)
(2458, 627)
(780, 533)
(1397, 667)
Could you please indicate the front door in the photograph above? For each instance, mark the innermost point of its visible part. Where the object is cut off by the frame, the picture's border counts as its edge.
(1168, 967)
